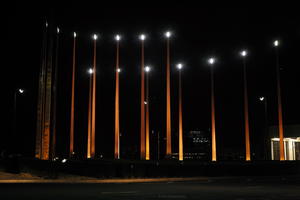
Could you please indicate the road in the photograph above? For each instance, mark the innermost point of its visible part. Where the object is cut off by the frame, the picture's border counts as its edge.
(244, 188)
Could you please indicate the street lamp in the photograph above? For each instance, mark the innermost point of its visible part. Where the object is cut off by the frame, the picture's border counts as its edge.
(19, 91)
(280, 123)
(142, 37)
(117, 116)
(211, 62)
(147, 70)
(266, 138)
(180, 152)
(168, 96)
(246, 114)
(73, 98)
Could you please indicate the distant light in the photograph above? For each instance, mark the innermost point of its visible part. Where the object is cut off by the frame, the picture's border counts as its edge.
(211, 61)
(244, 53)
(57, 29)
(142, 37)
(90, 71)
(95, 36)
(168, 34)
(179, 66)
(64, 160)
(21, 91)
(46, 24)
(276, 43)
(74, 34)
(118, 37)
(147, 69)
(145, 102)
(261, 98)
(119, 70)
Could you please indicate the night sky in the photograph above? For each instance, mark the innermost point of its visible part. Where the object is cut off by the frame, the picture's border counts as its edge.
(198, 33)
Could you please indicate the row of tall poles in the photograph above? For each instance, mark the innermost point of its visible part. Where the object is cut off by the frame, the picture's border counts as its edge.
(144, 105)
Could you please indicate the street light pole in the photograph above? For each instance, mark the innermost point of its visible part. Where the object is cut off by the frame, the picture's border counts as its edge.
(147, 70)
(142, 103)
(117, 123)
(246, 112)
(211, 61)
(16, 92)
(280, 123)
(168, 103)
(180, 152)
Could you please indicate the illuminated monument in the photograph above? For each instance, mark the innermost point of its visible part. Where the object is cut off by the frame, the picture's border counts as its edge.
(46, 108)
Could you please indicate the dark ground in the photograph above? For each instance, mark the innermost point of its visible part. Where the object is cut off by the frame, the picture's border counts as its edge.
(242, 188)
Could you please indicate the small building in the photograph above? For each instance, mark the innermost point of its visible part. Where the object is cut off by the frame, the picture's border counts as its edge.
(291, 142)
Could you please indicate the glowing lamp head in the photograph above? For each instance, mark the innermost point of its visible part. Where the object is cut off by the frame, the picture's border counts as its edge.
(261, 98)
(147, 69)
(276, 43)
(90, 71)
(119, 70)
(74, 34)
(46, 24)
(64, 160)
(118, 37)
(211, 61)
(244, 53)
(95, 36)
(142, 37)
(168, 34)
(57, 29)
(179, 66)
(21, 91)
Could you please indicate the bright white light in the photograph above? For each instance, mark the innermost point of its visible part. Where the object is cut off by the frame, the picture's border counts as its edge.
(90, 71)
(118, 37)
(179, 66)
(142, 37)
(261, 98)
(276, 43)
(147, 69)
(168, 34)
(244, 53)
(74, 34)
(211, 61)
(57, 29)
(46, 24)
(95, 36)
(64, 160)
(145, 102)
(21, 91)
(119, 70)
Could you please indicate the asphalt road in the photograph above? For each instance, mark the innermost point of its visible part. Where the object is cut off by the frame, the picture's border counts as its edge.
(270, 188)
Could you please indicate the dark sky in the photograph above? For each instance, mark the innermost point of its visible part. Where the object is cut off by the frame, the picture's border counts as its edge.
(199, 32)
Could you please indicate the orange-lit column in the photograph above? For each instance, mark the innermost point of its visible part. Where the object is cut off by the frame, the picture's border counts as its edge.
(94, 101)
(90, 116)
(280, 123)
(117, 125)
(180, 152)
(168, 102)
(143, 148)
(72, 100)
(147, 69)
(213, 127)
(246, 115)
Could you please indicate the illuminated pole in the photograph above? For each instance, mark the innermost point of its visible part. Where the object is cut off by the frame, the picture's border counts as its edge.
(246, 114)
(180, 152)
(117, 125)
(168, 103)
(281, 144)
(94, 101)
(147, 69)
(142, 150)
(90, 71)
(211, 61)
(72, 100)
(16, 92)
